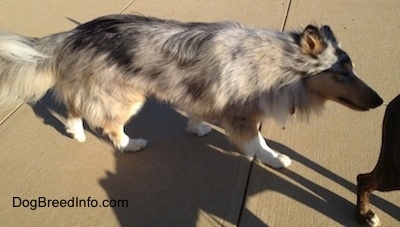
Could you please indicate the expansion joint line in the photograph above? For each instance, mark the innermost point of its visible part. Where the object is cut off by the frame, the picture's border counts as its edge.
(11, 113)
(286, 15)
(126, 7)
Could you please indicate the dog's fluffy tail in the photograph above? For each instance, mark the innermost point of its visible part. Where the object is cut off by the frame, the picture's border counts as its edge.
(23, 72)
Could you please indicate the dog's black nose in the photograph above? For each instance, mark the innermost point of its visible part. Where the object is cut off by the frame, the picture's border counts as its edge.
(376, 100)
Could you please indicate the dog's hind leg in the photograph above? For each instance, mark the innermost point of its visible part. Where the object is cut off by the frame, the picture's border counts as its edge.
(196, 126)
(74, 124)
(245, 135)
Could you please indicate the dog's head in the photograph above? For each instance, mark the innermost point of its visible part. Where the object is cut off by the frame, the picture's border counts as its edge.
(335, 78)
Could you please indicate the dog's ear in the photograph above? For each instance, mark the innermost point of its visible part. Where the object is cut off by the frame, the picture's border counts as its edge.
(328, 34)
(311, 41)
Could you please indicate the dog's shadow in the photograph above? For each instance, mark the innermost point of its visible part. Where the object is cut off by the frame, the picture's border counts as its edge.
(181, 179)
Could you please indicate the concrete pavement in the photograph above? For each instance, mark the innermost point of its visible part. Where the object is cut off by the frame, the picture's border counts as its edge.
(181, 180)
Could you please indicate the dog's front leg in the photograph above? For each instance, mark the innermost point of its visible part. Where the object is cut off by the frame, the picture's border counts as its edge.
(245, 135)
(258, 148)
(366, 183)
(122, 141)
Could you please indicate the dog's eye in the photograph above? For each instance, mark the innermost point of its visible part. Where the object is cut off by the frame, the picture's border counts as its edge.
(343, 78)
(340, 78)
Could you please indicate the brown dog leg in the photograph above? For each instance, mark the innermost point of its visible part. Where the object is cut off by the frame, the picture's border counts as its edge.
(386, 174)
(365, 187)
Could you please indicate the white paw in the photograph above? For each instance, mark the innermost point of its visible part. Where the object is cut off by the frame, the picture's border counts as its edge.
(80, 137)
(75, 128)
(374, 221)
(281, 161)
(199, 129)
(134, 145)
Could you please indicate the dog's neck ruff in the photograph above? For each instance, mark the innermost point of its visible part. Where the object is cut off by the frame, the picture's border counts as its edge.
(289, 100)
